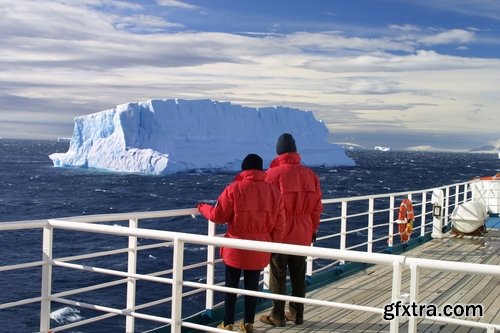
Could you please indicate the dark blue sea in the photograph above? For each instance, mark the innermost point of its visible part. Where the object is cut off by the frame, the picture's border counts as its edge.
(31, 188)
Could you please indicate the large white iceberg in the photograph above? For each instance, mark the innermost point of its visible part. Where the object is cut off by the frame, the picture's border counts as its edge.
(172, 135)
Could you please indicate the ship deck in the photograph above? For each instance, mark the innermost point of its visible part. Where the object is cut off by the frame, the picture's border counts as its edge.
(372, 287)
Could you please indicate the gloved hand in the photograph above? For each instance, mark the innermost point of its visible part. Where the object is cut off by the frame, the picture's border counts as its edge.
(200, 206)
(313, 240)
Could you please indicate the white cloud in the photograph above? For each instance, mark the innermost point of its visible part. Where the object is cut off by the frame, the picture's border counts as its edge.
(175, 3)
(59, 56)
(449, 37)
(144, 23)
(405, 27)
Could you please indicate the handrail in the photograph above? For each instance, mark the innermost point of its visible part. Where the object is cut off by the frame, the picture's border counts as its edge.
(375, 219)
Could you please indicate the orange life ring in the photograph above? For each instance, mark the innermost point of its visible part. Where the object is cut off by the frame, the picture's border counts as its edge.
(405, 220)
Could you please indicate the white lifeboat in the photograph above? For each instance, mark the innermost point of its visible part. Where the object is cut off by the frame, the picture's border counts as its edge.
(469, 217)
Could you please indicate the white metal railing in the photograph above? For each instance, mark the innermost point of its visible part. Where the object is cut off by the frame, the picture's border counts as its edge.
(378, 216)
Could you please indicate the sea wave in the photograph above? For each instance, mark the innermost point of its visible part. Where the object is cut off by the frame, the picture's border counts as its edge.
(66, 315)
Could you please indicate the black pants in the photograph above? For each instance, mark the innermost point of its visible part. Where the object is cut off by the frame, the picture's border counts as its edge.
(251, 282)
(277, 283)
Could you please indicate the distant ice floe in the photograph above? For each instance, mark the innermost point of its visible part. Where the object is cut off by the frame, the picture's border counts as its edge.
(381, 148)
(172, 135)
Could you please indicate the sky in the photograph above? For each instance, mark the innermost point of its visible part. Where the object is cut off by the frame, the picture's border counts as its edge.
(398, 73)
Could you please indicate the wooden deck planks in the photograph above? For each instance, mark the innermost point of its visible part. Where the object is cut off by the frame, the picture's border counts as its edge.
(372, 287)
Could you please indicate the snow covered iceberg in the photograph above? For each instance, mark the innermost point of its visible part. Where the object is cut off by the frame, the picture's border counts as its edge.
(172, 135)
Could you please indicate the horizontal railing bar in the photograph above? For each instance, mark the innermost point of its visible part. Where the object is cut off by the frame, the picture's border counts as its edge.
(329, 236)
(93, 255)
(330, 219)
(380, 239)
(453, 266)
(19, 225)
(358, 214)
(356, 246)
(20, 302)
(112, 272)
(112, 252)
(274, 296)
(22, 266)
(124, 312)
(84, 322)
(380, 225)
(356, 230)
(233, 243)
(336, 262)
(395, 194)
(132, 215)
(89, 288)
(154, 246)
(199, 327)
(382, 210)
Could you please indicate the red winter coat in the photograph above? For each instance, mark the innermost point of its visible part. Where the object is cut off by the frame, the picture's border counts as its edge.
(301, 192)
(253, 209)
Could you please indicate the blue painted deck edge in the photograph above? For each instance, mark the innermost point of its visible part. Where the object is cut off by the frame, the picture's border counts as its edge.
(493, 222)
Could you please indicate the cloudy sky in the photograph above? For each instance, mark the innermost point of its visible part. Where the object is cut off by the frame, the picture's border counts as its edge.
(398, 73)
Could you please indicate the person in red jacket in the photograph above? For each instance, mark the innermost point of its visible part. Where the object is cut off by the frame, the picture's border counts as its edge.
(301, 192)
(254, 210)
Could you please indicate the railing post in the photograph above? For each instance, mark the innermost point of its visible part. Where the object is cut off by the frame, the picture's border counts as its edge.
(177, 276)
(414, 286)
(447, 206)
(457, 198)
(437, 201)
(266, 276)
(397, 272)
(343, 227)
(48, 236)
(467, 189)
(390, 241)
(424, 211)
(309, 265)
(209, 298)
(131, 282)
(371, 204)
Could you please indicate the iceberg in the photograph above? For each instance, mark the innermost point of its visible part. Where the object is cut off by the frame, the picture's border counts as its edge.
(382, 148)
(172, 135)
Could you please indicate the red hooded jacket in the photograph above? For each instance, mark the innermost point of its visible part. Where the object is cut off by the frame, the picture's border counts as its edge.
(253, 209)
(301, 192)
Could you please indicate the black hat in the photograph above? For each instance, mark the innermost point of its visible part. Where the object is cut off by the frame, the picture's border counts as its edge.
(252, 161)
(285, 144)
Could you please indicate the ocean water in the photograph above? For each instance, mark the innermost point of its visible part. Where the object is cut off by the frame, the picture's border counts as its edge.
(31, 188)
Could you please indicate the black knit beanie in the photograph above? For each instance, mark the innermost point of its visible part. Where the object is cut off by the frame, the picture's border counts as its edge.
(252, 161)
(285, 144)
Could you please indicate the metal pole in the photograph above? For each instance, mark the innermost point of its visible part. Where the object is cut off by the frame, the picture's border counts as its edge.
(48, 236)
(177, 277)
(209, 299)
(424, 211)
(414, 285)
(391, 221)
(371, 204)
(397, 270)
(131, 282)
(343, 227)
